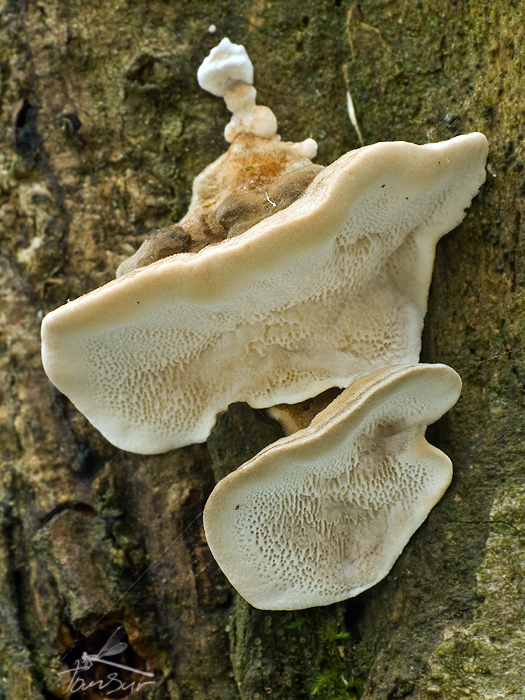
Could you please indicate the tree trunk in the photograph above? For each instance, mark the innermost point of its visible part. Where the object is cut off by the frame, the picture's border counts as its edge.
(103, 128)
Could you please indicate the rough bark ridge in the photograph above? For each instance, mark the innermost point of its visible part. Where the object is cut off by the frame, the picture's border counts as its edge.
(103, 128)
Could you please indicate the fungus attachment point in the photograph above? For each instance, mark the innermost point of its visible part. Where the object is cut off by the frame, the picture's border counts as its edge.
(323, 514)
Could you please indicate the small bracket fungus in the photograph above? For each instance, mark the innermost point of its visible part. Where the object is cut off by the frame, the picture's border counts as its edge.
(323, 514)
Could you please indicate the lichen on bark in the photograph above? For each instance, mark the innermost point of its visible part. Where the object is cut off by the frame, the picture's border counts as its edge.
(486, 657)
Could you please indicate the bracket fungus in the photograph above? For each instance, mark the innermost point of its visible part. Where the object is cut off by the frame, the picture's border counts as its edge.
(329, 288)
(323, 514)
(285, 280)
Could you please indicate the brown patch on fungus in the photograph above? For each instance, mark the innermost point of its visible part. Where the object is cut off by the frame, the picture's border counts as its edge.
(240, 211)
(162, 243)
(230, 196)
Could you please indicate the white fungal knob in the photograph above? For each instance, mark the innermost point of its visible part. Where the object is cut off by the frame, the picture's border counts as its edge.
(225, 64)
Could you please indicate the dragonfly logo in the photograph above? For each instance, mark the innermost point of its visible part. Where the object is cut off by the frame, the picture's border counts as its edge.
(112, 683)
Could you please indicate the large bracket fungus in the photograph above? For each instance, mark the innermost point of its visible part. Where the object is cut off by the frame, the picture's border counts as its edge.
(284, 279)
(325, 290)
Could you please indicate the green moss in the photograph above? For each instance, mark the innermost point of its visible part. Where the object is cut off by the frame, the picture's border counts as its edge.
(305, 653)
(336, 680)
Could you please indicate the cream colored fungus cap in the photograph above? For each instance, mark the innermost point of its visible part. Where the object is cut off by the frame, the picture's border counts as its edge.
(321, 515)
(330, 288)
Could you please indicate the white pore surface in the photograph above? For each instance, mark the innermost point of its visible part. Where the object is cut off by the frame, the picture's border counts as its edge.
(322, 515)
(225, 64)
(333, 287)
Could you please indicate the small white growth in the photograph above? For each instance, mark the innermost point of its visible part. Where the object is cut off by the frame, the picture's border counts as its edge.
(307, 148)
(226, 63)
(247, 117)
(228, 72)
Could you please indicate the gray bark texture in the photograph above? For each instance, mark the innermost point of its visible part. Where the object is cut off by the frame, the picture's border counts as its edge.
(103, 128)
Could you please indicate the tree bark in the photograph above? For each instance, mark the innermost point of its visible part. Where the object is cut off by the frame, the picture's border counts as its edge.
(103, 128)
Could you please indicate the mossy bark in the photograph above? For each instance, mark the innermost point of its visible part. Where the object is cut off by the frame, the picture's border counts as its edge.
(103, 128)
